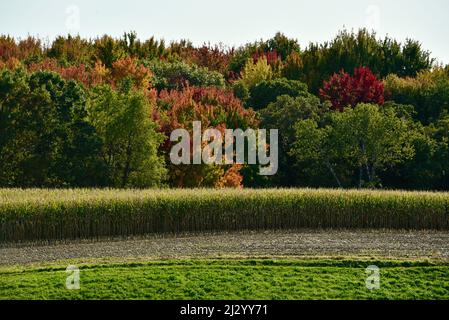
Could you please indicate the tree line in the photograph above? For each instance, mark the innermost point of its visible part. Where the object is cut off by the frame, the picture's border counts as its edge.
(355, 112)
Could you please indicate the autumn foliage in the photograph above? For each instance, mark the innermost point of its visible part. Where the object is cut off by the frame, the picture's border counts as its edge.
(129, 68)
(123, 68)
(215, 108)
(344, 90)
(212, 57)
(273, 59)
(87, 76)
(167, 86)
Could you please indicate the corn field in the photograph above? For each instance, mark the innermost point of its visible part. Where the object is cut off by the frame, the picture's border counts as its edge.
(41, 215)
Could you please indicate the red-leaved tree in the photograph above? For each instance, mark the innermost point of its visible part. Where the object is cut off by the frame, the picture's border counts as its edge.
(344, 90)
(274, 60)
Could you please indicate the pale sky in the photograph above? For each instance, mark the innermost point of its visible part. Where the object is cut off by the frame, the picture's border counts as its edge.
(231, 22)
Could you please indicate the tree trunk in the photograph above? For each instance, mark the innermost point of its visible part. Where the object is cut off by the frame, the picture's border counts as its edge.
(127, 168)
(360, 176)
(329, 166)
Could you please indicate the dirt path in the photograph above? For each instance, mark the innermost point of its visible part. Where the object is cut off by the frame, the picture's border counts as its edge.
(391, 244)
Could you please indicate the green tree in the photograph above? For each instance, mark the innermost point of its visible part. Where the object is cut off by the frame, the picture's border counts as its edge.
(282, 115)
(360, 142)
(46, 140)
(429, 167)
(108, 50)
(283, 45)
(176, 75)
(265, 92)
(428, 92)
(130, 138)
(133, 47)
(71, 50)
(441, 135)
(316, 154)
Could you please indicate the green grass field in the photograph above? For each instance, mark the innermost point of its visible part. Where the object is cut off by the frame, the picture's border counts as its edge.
(229, 279)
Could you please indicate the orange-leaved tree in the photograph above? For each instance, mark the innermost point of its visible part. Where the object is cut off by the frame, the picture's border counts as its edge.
(214, 108)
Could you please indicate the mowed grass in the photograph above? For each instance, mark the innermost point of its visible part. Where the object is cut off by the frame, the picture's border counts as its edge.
(35, 215)
(230, 279)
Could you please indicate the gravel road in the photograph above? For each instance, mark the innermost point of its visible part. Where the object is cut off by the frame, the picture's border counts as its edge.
(386, 244)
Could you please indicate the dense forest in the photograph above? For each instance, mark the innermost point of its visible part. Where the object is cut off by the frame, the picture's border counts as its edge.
(356, 112)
